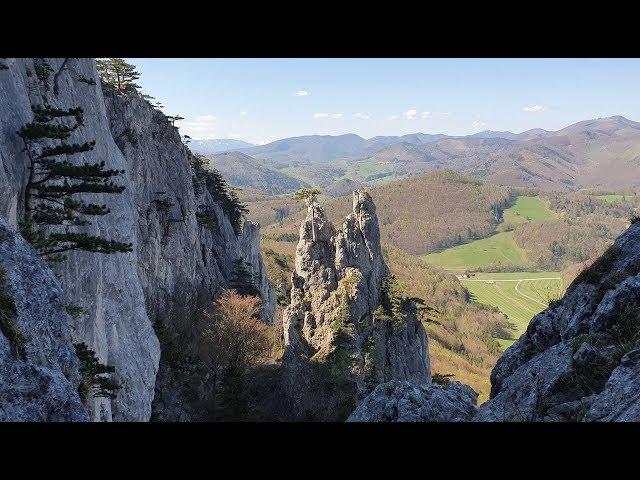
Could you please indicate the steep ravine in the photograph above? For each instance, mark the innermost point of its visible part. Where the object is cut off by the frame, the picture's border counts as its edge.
(175, 261)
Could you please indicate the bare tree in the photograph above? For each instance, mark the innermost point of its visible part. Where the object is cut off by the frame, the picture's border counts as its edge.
(232, 339)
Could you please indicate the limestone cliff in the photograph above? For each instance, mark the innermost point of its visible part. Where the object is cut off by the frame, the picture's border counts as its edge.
(38, 365)
(342, 337)
(580, 358)
(176, 262)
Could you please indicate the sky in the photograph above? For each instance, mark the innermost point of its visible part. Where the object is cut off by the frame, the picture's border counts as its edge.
(262, 100)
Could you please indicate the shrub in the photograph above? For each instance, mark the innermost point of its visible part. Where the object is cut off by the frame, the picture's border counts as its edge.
(441, 378)
(8, 314)
(95, 377)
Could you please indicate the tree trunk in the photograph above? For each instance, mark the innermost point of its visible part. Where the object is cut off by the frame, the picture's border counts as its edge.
(313, 226)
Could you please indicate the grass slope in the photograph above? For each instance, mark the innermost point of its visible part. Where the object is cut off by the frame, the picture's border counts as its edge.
(499, 248)
(519, 295)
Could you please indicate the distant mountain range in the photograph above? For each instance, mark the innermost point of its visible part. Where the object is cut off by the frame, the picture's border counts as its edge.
(216, 145)
(601, 153)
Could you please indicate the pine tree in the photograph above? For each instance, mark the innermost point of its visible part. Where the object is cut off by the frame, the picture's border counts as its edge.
(118, 73)
(242, 280)
(174, 118)
(53, 183)
(220, 192)
(309, 195)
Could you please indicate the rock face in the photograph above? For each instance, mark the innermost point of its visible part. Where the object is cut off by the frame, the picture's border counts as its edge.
(38, 364)
(117, 326)
(580, 358)
(341, 339)
(176, 264)
(180, 261)
(399, 401)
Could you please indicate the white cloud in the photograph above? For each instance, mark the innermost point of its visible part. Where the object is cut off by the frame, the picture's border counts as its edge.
(410, 114)
(362, 116)
(244, 114)
(479, 124)
(392, 117)
(535, 108)
(327, 115)
(236, 136)
(203, 126)
(435, 114)
(302, 93)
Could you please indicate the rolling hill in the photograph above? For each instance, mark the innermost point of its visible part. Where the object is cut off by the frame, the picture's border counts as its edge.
(423, 213)
(241, 170)
(602, 153)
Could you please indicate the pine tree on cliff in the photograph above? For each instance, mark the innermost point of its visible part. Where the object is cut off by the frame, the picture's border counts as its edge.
(242, 280)
(49, 197)
(309, 195)
(118, 73)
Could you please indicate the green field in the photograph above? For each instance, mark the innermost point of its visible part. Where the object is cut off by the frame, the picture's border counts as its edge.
(499, 248)
(526, 209)
(612, 198)
(519, 295)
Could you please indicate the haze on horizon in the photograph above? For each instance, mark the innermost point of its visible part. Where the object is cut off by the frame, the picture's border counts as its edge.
(262, 100)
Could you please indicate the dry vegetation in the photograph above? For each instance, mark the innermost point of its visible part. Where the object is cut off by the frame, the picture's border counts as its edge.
(461, 334)
(586, 227)
(232, 340)
(422, 214)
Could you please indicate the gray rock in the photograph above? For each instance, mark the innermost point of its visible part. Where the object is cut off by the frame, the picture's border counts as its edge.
(569, 365)
(181, 263)
(620, 399)
(117, 326)
(338, 345)
(401, 401)
(176, 262)
(39, 373)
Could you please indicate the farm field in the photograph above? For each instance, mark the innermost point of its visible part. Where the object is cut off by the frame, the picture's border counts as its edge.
(499, 248)
(519, 295)
(526, 209)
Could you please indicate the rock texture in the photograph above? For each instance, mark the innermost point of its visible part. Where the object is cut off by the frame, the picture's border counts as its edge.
(399, 401)
(117, 326)
(580, 358)
(181, 262)
(38, 365)
(176, 262)
(339, 340)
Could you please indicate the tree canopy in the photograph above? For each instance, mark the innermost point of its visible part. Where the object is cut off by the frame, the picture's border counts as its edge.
(120, 74)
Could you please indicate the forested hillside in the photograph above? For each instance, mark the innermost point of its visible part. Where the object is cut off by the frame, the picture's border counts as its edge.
(423, 213)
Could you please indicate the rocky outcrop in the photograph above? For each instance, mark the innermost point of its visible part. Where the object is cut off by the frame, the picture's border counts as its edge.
(116, 325)
(177, 264)
(398, 401)
(181, 262)
(579, 359)
(38, 364)
(342, 335)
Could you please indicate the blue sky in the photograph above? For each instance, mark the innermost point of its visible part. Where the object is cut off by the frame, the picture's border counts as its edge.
(261, 100)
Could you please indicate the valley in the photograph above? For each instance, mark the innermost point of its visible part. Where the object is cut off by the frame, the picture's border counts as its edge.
(438, 228)
(518, 293)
